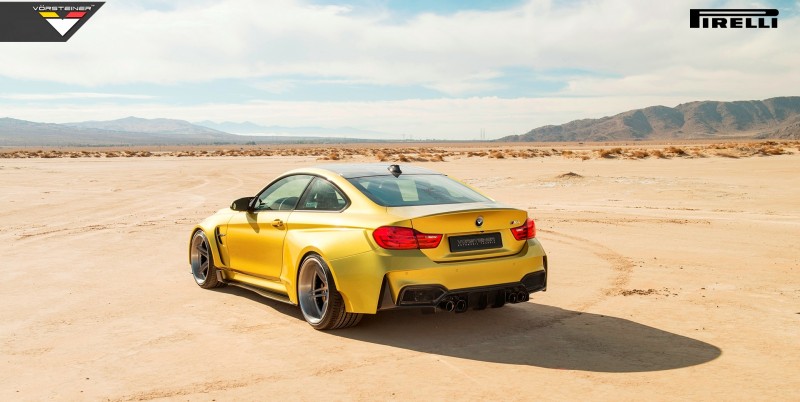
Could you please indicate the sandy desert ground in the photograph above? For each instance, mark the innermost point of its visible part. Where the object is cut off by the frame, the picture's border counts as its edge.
(670, 279)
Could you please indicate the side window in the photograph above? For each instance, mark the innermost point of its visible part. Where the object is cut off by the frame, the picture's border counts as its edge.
(322, 196)
(283, 194)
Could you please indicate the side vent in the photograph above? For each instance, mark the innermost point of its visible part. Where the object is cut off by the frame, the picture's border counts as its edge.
(219, 236)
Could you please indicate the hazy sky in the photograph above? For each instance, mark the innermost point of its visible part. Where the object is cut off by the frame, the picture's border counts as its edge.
(427, 69)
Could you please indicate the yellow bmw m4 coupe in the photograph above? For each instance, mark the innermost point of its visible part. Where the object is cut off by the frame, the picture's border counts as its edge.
(344, 240)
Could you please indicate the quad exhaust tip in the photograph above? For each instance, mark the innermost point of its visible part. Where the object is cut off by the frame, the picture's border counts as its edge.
(460, 304)
(448, 305)
(457, 304)
(517, 297)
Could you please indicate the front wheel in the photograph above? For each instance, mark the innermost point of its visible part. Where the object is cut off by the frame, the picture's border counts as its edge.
(321, 304)
(202, 262)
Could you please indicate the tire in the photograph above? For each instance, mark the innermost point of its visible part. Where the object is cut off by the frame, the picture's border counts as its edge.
(204, 271)
(321, 304)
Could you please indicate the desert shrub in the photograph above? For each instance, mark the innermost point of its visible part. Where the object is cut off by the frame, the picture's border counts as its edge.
(676, 151)
(771, 150)
(699, 153)
(605, 153)
(569, 175)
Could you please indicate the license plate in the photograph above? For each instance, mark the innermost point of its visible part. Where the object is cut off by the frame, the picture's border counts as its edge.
(481, 241)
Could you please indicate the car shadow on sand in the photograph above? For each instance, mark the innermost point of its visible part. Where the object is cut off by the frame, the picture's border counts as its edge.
(525, 334)
(536, 335)
(283, 308)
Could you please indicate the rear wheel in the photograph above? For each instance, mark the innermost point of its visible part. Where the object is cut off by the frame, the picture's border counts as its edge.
(202, 262)
(321, 304)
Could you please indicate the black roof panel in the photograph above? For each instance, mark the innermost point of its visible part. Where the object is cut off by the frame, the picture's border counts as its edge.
(351, 170)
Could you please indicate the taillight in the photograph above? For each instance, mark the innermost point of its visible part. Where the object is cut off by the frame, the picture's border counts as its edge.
(426, 240)
(526, 231)
(400, 238)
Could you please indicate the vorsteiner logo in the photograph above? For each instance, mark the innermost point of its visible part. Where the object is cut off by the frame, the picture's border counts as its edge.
(733, 18)
(43, 22)
(63, 25)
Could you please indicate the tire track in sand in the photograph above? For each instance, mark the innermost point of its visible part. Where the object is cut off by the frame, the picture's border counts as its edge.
(114, 219)
(621, 265)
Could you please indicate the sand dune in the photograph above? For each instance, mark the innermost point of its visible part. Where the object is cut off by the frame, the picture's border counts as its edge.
(673, 276)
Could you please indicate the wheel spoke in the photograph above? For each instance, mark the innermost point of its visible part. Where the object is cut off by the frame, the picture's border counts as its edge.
(202, 261)
(314, 291)
(320, 291)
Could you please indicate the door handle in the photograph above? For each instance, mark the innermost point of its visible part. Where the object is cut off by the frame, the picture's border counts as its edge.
(277, 223)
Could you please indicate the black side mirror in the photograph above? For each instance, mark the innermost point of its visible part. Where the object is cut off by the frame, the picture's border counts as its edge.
(242, 204)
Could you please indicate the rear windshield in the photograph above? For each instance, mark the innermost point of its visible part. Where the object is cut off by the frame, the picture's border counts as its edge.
(408, 190)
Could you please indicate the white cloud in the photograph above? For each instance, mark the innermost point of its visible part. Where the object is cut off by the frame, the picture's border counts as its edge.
(642, 52)
(275, 86)
(722, 85)
(70, 96)
(457, 54)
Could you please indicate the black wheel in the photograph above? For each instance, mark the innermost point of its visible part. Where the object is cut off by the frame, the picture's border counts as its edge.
(202, 262)
(320, 302)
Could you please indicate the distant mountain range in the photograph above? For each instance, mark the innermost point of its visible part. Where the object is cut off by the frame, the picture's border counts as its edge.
(134, 131)
(250, 128)
(152, 126)
(127, 131)
(777, 118)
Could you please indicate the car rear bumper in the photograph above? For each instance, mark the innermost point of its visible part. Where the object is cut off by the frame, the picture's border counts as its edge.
(370, 283)
(460, 300)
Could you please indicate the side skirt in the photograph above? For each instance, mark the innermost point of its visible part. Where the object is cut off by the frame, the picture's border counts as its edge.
(267, 293)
